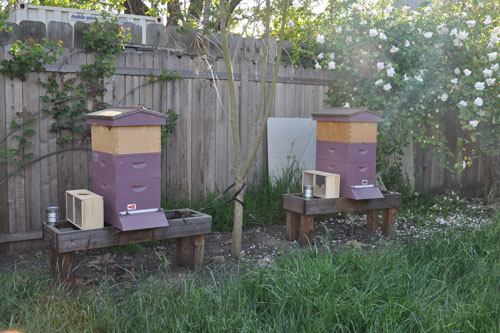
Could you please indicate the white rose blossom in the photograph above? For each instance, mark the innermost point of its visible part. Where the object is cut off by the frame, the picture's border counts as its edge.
(478, 101)
(479, 86)
(474, 123)
(467, 72)
(418, 78)
(320, 39)
(494, 67)
(462, 35)
(332, 55)
(363, 22)
(487, 20)
(338, 30)
(471, 23)
(428, 35)
(317, 66)
(320, 56)
(379, 82)
(457, 70)
(455, 80)
(463, 103)
(380, 65)
(373, 32)
(487, 72)
(492, 56)
(444, 97)
(405, 77)
(407, 43)
(391, 71)
(291, 24)
(490, 81)
(347, 105)
(382, 36)
(394, 49)
(387, 87)
(331, 65)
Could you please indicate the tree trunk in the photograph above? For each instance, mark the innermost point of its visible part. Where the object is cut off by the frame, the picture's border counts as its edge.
(174, 13)
(238, 222)
(135, 7)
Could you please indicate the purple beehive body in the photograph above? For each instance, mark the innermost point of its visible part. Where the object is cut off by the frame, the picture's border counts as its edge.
(355, 162)
(344, 151)
(129, 183)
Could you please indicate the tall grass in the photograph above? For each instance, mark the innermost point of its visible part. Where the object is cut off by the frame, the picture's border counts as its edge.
(449, 282)
(262, 200)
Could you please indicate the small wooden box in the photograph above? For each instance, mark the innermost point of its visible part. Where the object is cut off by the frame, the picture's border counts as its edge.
(355, 132)
(126, 139)
(325, 184)
(85, 209)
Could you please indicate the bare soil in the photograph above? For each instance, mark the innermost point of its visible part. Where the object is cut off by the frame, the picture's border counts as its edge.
(260, 246)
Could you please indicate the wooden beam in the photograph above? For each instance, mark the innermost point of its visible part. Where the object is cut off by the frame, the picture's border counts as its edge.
(20, 236)
(62, 267)
(295, 203)
(388, 221)
(291, 224)
(79, 240)
(372, 219)
(306, 234)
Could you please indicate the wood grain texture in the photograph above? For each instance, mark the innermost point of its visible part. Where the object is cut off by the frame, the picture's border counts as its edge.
(185, 134)
(295, 203)
(197, 128)
(79, 240)
(306, 232)
(291, 225)
(388, 221)
(172, 162)
(372, 219)
(62, 267)
(4, 188)
(346, 132)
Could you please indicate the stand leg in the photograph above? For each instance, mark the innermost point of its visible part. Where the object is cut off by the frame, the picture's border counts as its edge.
(190, 251)
(388, 221)
(62, 266)
(306, 235)
(291, 224)
(372, 220)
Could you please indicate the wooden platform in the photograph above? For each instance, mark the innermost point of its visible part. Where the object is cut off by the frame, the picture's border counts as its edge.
(187, 226)
(303, 210)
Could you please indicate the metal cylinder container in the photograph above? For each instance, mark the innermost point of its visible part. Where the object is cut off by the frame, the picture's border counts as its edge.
(52, 213)
(308, 191)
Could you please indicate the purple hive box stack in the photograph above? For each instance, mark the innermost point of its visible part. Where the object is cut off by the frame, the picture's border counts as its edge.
(126, 166)
(346, 144)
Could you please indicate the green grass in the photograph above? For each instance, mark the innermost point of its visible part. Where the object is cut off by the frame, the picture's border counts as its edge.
(262, 200)
(449, 282)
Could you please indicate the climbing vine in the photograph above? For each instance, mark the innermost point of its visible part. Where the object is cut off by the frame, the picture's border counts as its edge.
(67, 97)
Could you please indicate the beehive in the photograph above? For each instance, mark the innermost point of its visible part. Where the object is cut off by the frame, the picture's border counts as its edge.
(126, 165)
(346, 144)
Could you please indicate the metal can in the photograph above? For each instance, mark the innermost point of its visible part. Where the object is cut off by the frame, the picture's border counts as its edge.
(308, 192)
(52, 214)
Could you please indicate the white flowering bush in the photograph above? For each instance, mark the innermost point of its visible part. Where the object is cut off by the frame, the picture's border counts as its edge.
(424, 70)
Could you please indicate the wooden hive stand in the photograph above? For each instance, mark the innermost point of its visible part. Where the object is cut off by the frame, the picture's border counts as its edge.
(187, 226)
(299, 209)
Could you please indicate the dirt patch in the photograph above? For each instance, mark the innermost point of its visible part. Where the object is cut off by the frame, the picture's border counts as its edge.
(260, 246)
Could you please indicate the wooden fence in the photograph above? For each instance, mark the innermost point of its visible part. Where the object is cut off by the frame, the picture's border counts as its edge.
(198, 158)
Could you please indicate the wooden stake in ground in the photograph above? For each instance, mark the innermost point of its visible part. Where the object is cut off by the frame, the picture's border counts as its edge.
(244, 163)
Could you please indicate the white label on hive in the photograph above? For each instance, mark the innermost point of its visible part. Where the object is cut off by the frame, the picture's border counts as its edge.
(131, 207)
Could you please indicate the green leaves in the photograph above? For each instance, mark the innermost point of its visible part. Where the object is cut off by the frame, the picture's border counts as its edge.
(30, 56)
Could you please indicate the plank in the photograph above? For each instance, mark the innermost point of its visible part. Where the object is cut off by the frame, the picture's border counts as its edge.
(20, 236)
(16, 198)
(290, 106)
(291, 224)
(299, 111)
(306, 233)
(173, 166)
(209, 133)
(79, 240)
(280, 97)
(62, 267)
(295, 203)
(197, 153)
(4, 188)
(119, 82)
(33, 208)
(388, 221)
(372, 219)
(146, 88)
(132, 90)
(221, 135)
(184, 129)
